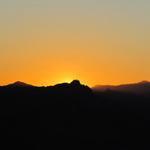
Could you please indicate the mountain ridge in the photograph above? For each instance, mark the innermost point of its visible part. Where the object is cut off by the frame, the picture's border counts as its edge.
(142, 87)
(18, 84)
(137, 88)
(23, 84)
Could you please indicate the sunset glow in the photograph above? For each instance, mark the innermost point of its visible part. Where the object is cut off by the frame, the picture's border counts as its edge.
(45, 42)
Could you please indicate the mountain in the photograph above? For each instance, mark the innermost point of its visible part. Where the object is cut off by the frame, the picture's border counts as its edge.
(73, 83)
(74, 88)
(18, 84)
(137, 88)
(72, 115)
(63, 88)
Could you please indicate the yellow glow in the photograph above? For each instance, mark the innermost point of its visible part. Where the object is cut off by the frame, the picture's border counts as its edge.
(65, 80)
(64, 77)
(47, 45)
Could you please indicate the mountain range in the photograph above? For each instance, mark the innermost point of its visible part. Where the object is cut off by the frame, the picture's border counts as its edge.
(74, 115)
(142, 87)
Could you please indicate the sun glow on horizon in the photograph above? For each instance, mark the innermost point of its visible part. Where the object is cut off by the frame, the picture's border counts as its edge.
(65, 80)
(49, 42)
(67, 77)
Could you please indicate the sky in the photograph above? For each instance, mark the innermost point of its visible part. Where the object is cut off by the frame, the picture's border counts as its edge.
(44, 42)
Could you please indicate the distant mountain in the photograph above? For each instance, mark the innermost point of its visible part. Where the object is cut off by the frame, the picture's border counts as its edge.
(19, 84)
(137, 88)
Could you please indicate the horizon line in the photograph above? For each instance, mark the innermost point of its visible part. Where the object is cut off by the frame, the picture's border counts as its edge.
(129, 83)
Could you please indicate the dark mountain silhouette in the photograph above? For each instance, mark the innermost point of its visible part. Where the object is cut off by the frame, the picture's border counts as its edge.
(19, 84)
(137, 88)
(72, 116)
(74, 87)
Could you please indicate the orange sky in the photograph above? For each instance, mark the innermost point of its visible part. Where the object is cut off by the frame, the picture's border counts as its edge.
(99, 42)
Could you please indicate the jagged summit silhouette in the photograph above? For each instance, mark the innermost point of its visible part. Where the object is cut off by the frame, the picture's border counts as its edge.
(75, 82)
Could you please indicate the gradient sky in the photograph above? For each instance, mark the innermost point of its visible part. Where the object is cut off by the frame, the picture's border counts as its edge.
(44, 42)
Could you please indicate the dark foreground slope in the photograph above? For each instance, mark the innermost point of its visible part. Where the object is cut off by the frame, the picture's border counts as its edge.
(72, 116)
